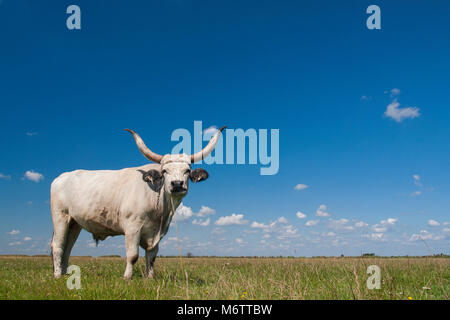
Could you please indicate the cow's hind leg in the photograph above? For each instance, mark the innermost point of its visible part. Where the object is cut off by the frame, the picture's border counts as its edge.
(61, 222)
(72, 236)
(150, 256)
(132, 244)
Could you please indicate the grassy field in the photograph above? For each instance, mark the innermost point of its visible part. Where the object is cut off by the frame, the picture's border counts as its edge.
(230, 278)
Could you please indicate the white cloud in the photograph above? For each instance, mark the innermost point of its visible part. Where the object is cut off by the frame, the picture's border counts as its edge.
(395, 92)
(277, 228)
(234, 219)
(290, 230)
(321, 211)
(240, 241)
(331, 234)
(376, 236)
(399, 114)
(417, 181)
(201, 222)
(287, 232)
(340, 225)
(390, 221)
(205, 211)
(258, 225)
(13, 232)
(282, 220)
(300, 186)
(27, 239)
(425, 235)
(15, 243)
(384, 225)
(379, 229)
(33, 176)
(433, 223)
(271, 227)
(31, 134)
(301, 215)
(415, 193)
(338, 242)
(311, 223)
(361, 224)
(183, 213)
(4, 177)
(365, 98)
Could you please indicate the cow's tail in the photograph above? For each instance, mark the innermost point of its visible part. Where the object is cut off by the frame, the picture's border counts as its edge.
(51, 251)
(96, 238)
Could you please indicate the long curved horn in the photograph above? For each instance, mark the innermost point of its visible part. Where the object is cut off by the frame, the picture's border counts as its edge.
(208, 149)
(149, 154)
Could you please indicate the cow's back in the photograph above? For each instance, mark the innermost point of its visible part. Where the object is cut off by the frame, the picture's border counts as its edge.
(101, 201)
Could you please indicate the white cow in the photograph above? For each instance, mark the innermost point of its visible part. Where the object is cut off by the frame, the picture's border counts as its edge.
(136, 202)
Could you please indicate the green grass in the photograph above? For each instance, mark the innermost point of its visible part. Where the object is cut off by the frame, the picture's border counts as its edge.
(229, 278)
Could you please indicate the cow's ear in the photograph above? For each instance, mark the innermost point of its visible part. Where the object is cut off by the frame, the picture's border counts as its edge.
(152, 176)
(198, 175)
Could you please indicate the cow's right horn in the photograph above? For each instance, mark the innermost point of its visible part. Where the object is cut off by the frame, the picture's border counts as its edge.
(149, 154)
(209, 147)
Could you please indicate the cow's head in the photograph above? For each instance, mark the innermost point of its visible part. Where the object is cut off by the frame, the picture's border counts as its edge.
(175, 171)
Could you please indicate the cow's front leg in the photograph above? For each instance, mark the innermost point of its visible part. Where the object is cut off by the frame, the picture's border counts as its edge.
(150, 256)
(59, 240)
(132, 245)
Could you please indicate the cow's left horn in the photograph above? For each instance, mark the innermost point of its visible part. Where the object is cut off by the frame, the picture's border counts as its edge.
(208, 149)
(149, 154)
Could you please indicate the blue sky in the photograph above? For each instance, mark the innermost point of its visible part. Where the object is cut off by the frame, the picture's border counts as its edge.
(308, 68)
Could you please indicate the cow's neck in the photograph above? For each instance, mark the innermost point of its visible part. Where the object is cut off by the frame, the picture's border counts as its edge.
(168, 205)
(170, 202)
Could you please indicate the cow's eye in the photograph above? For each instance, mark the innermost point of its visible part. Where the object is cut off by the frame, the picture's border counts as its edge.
(164, 171)
(187, 171)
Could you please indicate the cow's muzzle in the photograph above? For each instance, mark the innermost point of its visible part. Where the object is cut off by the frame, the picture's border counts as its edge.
(178, 187)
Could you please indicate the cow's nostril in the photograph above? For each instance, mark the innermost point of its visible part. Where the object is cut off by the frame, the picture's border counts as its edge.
(177, 184)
